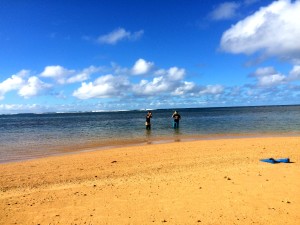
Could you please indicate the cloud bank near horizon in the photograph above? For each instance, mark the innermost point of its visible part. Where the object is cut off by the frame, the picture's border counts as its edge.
(143, 84)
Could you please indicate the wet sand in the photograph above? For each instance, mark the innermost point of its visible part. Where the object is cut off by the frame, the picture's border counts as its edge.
(199, 182)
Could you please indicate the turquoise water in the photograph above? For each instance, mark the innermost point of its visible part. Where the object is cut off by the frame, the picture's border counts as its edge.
(26, 136)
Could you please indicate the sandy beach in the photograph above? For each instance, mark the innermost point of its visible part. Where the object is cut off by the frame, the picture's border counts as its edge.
(199, 182)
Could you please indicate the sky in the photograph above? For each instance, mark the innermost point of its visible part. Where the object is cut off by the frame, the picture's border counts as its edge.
(96, 55)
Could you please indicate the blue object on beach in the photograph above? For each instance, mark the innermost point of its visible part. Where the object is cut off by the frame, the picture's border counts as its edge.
(273, 161)
(283, 160)
(269, 160)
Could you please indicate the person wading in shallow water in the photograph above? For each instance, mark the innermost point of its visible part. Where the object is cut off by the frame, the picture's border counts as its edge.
(176, 118)
(148, 117)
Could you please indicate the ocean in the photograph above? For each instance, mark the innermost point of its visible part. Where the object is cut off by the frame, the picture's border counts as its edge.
(29, 136)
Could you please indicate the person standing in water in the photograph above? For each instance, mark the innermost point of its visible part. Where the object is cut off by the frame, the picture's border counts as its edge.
(148, 117)
(176, 116)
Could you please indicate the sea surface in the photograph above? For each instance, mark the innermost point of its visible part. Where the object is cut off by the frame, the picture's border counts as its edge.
(28, 136)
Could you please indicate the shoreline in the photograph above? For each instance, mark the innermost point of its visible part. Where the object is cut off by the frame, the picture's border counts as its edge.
(112, 144)
(195, 182)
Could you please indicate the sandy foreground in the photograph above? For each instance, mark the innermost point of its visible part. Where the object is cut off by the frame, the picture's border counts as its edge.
(199, 182)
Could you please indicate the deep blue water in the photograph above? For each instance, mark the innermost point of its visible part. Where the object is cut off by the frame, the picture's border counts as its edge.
(25, 136)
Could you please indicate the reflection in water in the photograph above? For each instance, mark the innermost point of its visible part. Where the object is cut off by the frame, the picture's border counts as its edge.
(177, 135)
(148, 136)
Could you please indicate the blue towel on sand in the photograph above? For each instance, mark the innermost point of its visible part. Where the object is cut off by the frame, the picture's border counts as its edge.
(273, 161)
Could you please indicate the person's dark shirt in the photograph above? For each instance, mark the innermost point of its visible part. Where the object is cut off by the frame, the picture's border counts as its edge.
(176, 117)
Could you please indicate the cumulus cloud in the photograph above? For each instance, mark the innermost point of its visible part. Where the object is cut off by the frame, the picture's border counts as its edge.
(175, 73)
(268, 76)
(295, 73)
(264, 71)
(65, 76)
(167, 81)
(161, 87)
(164, 82)
(33, 87)
(226, 10)
(103, 87)
(13, 83)
(23, 73)
(57, 72)
(26, 88)
(273, 30)
(158, 85)
(119, 35)
(186, 87)
(212, 90)
(142, 67)
(270, 80)
(83, 75)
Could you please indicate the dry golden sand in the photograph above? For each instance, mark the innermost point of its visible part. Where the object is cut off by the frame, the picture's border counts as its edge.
(201, 182)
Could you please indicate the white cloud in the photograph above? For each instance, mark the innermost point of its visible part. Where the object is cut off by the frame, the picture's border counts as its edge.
(118, 86)
(226, 10)
(23, 73)
(274, 30)
(270, 80)
(171, 81)
(16, 107)
(264, 71)
(186, 87)
(57, 72)
(103, 87)
(142, 67)
(119, 70)
(33, 87)
(118, 35)
(175, 73)
(136, 35)
(168, 81)
(83, 75)
(26, 88)
(158, 85)
(212, 90)
(295, 73)
(13, 83)
(66, 76)
(160, 72)
(268, 76)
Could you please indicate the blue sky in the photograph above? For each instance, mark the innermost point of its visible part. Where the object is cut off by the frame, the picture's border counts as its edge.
(58, 56)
